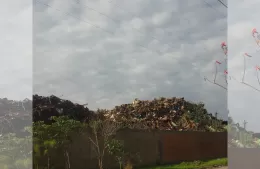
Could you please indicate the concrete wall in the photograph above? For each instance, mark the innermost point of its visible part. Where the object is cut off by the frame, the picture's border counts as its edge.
(154, 148)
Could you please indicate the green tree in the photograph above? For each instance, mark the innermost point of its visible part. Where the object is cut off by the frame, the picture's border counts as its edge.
(44, 143)
(49, 138)
(116, 148)
(15, 152)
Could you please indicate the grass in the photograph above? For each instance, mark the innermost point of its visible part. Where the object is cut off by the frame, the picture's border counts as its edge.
(195, 165)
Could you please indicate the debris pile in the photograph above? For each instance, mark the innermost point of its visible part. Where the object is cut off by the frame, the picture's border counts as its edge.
(165, 114)
(160, 114)
(234, 143)
(239, 137)
(45, 107)
(14, 115)
(13, 107)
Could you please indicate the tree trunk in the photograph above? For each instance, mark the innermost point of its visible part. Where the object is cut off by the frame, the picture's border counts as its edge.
(100, 163)
(68, 159)
(48, 162)
(120, 165)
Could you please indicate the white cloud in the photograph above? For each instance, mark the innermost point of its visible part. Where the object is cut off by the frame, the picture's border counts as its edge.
(161, 18)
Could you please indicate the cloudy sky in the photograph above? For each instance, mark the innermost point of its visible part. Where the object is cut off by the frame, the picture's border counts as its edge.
(16, 49)
(107, 53)
(243, 101)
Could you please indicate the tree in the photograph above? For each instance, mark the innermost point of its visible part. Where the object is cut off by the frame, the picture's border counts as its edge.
(15, 152)
(44, 143)
(64, 128)
(55, 135)
(116, 148)
(101, 132)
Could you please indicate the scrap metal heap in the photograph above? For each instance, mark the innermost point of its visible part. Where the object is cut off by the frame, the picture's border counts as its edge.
(160, 114)
(165, 114)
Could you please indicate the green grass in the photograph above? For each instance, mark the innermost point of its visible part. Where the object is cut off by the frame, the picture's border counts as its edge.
(195, 165)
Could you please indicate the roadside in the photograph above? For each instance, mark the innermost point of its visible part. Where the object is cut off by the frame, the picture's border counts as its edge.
(211, 164)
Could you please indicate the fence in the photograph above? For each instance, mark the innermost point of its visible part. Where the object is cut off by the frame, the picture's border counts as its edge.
(189, 146)
(154, 148)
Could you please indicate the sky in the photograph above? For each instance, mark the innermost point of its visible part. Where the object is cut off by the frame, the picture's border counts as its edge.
(243, 101)
(106, 53)
(16, 49)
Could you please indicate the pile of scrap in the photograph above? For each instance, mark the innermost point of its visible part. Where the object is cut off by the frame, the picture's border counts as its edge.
(165, 114)
(11, 106)
(158, 114)
(14, 115)
(45, 107)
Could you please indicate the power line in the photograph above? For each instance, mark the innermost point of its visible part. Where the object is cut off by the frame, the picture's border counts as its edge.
(38, 1)
(222, 3)
(134, 15)
(206, 79)
(208, 4)
(96, 26)
(118, 21)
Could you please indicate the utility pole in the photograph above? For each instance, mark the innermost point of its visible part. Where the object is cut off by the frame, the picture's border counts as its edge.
(245, 136)
(216, 114)
(245, 122)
